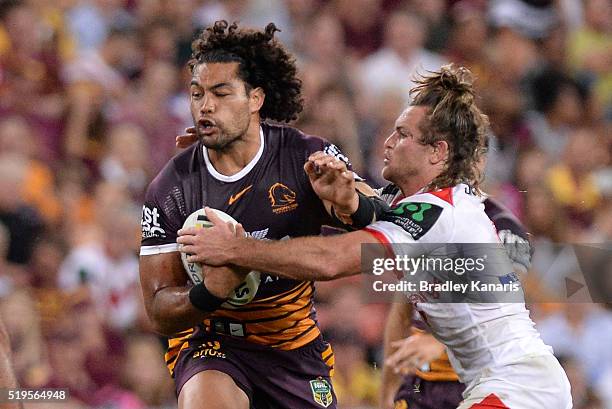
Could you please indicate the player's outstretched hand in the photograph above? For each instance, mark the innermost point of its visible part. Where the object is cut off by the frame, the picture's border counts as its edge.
(333, 182)
(414, 352)
(213, 246)
(187, 139)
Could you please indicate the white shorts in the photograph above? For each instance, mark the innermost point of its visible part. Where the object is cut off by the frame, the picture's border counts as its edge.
(536, 382)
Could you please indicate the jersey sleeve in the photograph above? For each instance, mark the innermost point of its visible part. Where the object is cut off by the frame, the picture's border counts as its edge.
(163, 213)
(316, 143)
(512, 234)
(388, 193)
(333, 150)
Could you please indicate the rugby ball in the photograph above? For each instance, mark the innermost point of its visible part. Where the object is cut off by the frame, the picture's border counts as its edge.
(245, 292)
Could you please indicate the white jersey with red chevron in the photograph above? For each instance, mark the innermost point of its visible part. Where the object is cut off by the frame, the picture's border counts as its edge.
(483, 339)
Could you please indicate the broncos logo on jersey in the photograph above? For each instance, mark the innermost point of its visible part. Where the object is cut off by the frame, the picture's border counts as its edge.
(282, 198)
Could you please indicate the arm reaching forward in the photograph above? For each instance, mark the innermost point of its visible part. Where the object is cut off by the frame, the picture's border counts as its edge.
(304, 258)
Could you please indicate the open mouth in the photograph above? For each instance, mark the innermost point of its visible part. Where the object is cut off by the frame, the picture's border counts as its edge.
(206, 126)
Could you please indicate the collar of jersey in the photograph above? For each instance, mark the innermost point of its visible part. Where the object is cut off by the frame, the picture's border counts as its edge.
(243, 172)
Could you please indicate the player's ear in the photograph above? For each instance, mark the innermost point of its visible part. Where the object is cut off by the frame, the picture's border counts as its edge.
(439, 152)
(256, 99)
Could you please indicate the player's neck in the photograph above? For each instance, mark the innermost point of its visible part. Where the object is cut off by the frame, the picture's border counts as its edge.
(415, 183)
(239, 153)
(409, 188)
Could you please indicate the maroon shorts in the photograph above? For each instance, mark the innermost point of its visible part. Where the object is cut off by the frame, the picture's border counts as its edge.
(417, 393)
(271, 378)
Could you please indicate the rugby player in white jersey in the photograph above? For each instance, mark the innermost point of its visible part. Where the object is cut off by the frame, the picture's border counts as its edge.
(432, 156)
(417, 373)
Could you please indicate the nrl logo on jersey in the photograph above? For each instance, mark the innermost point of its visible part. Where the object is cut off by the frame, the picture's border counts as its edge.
(321, 392)
(150, 223)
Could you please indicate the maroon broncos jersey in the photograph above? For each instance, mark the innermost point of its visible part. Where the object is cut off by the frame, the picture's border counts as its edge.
(273, 199)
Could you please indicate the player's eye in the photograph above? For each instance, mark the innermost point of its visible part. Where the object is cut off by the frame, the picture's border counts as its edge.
(407, 134)
(196, 94)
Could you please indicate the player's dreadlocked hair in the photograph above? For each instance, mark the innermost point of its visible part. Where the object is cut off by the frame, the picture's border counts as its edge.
(263, 62)
(453, 117)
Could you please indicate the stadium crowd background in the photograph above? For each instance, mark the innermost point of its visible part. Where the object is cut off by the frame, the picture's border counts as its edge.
(93, 92)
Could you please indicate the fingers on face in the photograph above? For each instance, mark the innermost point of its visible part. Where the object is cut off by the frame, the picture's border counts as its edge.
(184, 141)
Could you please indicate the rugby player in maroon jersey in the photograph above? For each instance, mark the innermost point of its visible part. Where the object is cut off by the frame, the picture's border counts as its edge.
(269, 352)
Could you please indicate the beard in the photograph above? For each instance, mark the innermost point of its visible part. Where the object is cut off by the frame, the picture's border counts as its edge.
(223, 133)
(398, 175)
(220, 139)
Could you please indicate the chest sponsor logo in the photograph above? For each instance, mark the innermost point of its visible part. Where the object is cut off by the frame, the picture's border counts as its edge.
(282, 199)
(321, 392)
(234, 198)
(415, 218)
(150, 223)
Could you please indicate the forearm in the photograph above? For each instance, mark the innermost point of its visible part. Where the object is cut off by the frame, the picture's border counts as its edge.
(165, 291)
(367, 210)
(397, 327)
(171, 311)
(305, 258)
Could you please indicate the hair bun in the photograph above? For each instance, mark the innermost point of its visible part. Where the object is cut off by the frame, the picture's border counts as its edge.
(457, 80)
(220, 26)
(270, 30)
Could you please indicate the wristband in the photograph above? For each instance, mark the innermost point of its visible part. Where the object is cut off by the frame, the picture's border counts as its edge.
(203, 300)
(370, 209)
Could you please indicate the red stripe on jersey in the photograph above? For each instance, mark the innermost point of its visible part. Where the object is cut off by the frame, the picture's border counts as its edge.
(383, 240)
(445, 194)
(378, 235)
(490, 402)
(397, 199)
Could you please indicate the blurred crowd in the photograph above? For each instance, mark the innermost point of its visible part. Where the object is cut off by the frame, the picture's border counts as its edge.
(93, 92)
